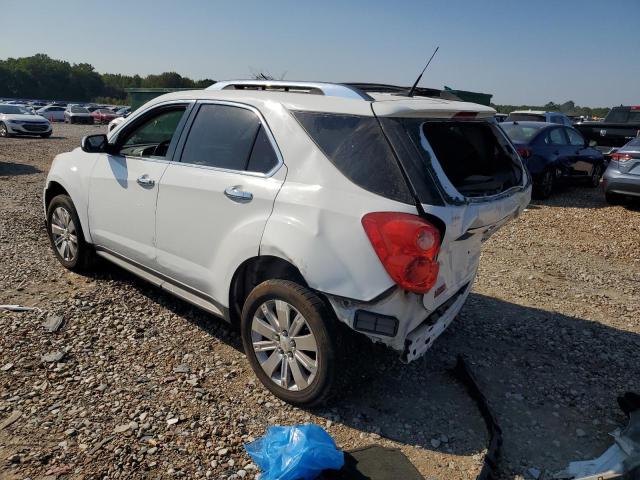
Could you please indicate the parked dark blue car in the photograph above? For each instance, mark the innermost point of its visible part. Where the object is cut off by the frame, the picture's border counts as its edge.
(553, 153)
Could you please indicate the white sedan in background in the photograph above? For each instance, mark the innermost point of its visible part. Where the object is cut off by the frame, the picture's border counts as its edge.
(16, 120)
(53, 113)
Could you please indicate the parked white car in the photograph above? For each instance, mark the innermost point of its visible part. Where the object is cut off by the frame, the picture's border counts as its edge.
(292, 210)
(53, 113)
(77, 114)
(16, 120)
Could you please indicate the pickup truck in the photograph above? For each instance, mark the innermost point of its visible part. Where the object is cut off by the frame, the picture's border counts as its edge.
(619, 126)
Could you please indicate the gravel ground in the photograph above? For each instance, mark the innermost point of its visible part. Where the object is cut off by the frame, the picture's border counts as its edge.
(148, 386)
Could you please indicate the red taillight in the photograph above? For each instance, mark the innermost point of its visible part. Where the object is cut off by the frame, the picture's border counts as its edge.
(621, 157)
(524, 152)
(407, 246)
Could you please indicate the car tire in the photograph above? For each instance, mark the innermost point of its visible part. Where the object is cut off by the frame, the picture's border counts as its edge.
(46, 135)
(290, 370)
(596, 176)
(613, 198)
(4, 131)
(544, 187)
(66, 236)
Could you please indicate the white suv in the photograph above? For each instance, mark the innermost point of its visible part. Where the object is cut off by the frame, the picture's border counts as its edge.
(292, 208)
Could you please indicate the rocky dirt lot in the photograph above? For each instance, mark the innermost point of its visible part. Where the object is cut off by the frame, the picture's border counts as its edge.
(137, 384)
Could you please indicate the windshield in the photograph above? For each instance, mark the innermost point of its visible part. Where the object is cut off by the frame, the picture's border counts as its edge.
(79, 110)
(519, 133)
(14, 110)
(525, 117)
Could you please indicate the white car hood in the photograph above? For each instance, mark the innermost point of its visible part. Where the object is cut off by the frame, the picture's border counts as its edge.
(27, 118)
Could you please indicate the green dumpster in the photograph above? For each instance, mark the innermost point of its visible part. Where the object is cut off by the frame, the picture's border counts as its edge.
(473, 97)
(139, 96)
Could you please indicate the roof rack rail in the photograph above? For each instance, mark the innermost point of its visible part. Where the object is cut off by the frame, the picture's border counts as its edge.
(314, 88)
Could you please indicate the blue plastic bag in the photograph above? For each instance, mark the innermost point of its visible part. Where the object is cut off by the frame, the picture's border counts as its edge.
(300, 452)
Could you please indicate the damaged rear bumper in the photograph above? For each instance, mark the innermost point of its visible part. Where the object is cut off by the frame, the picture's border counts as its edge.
(400, 320)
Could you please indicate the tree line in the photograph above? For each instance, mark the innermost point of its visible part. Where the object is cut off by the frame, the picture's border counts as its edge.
(42, 77)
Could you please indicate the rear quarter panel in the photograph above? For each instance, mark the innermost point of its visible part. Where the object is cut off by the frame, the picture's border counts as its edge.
(316, 220)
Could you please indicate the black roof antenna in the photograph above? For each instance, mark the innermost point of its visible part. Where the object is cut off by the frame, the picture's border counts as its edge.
(413, 89)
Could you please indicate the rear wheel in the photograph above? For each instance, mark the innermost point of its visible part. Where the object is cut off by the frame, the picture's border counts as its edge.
(65, 234)
(596, 176)
(545, 186)
(289, 336)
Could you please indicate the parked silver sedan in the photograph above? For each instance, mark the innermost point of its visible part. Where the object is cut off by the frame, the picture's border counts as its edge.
(622, 177)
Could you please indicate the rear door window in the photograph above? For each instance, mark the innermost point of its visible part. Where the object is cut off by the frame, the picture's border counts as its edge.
(556, 136)
(231, 138)
(574, 137)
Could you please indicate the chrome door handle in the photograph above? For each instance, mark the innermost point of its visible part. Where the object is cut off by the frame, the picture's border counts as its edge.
(145, 181)
(237, 195)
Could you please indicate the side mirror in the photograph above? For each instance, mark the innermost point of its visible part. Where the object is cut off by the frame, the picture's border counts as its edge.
(94, 143)
(593, 143)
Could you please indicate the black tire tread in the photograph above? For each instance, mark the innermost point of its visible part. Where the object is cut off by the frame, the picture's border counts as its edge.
(86, 254)
(329, 322)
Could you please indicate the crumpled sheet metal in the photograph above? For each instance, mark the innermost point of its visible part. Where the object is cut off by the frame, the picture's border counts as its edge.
(622, 459)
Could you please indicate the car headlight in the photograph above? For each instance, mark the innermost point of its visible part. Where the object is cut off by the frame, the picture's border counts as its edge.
(16, 122)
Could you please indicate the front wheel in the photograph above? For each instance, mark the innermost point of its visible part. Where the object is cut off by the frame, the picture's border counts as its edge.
(4, 131)
(65, 234)
(290, 338)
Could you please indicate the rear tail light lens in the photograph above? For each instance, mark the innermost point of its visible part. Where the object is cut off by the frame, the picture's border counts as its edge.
(621, 157)
(524, 152)
(407, 246)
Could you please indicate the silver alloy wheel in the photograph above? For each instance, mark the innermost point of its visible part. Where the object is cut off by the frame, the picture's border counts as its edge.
(64, 234)
(284, 344)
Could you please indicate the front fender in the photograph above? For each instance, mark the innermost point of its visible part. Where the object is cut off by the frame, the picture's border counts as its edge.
(72, 171)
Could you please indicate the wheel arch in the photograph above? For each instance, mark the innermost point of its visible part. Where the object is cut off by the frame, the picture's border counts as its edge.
(54, 188)
(252, 272)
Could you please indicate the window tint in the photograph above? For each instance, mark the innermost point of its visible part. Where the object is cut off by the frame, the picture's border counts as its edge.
(263, 158)
(525, 117)
(617, 115)
(357, 147)
(221, 136)
(574, 137)
(153, 137)
(555, 137)
(519, 133)
(557, 119)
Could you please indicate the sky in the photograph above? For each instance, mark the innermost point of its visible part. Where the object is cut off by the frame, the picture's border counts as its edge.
(523, 52)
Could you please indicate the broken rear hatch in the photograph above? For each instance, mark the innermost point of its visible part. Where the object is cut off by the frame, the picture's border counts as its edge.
(465, 174)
